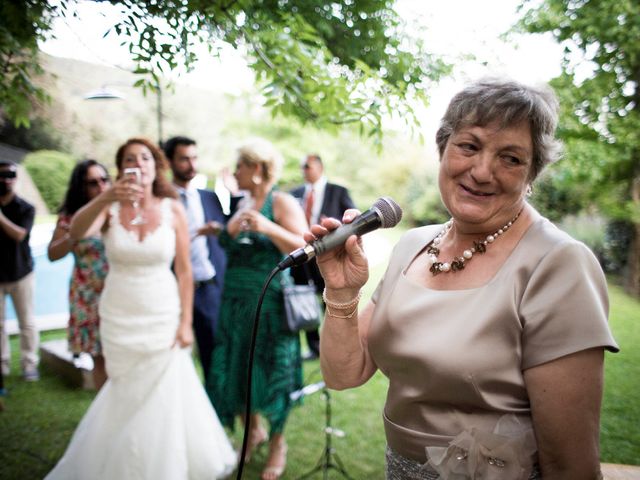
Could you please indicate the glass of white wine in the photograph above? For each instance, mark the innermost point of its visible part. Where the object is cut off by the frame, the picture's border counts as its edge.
(244, 237)
(135, 176)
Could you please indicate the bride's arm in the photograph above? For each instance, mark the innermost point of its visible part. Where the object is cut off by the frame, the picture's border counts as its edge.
(182, 268)
(94, 215)
(91, 218)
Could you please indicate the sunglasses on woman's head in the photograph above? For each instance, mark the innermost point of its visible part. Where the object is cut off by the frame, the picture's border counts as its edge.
(94, 182)
(8, 174)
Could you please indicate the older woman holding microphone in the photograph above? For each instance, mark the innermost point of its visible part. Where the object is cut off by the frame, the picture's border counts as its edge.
(492, 327)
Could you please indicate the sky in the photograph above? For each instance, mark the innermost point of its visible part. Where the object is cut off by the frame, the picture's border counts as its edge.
(453, 28)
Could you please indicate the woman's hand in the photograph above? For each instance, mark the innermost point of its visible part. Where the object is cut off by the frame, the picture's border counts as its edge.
(184, 336)
(63, 224)
(254, 221)
(345, 267)
(210, 228)
(125, 189)
(61, 242)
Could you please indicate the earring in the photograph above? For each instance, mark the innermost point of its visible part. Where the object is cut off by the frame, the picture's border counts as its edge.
(529, 190)
(256, 179)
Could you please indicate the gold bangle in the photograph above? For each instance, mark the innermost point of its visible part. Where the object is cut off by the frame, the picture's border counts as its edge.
(341, 306)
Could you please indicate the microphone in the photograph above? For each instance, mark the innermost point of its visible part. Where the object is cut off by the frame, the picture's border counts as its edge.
(385, 213)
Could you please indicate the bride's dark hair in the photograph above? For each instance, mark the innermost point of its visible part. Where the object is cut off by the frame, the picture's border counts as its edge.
(161, 186)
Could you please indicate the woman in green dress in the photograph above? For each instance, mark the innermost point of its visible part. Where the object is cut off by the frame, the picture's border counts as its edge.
(267, 225)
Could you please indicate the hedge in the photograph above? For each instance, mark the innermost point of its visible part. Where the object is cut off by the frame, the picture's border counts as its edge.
(50, 171)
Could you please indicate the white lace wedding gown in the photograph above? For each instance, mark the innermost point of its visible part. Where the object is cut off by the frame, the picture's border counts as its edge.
(152, 419)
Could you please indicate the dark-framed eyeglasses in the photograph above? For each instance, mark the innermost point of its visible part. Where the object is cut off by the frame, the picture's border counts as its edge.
(94, 182)
(9, 174)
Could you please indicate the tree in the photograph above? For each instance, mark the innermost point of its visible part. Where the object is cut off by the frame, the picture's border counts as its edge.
(22, 24)
(329, 63)
(600, 118)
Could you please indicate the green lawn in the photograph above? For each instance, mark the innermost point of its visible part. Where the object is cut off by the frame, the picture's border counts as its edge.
(40, 417)
(620, 430)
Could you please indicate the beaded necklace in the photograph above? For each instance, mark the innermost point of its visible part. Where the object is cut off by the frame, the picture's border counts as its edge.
(457, 263)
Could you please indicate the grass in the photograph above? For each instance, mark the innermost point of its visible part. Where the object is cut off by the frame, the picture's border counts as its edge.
(620, 421)
(40, 417)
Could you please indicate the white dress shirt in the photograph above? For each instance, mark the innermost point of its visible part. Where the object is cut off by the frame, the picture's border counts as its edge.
(198, 249)
(318, 197)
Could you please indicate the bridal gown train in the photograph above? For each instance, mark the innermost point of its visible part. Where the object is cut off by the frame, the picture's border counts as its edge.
(152, 419)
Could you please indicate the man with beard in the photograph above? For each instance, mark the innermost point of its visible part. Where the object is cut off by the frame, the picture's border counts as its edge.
(16, 272)
(206, 219)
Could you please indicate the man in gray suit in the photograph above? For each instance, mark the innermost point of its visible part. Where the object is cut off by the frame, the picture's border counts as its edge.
(205, 218)
(319, 199)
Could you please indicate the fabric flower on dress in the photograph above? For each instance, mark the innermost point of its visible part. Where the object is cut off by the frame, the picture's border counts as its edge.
(507, 453)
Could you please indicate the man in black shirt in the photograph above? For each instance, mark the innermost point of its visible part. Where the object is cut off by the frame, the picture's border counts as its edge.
(16, 272)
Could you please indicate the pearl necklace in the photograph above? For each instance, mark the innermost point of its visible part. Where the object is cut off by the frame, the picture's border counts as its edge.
(458, 262)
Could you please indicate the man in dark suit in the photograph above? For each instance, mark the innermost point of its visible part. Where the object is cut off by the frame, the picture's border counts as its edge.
(319, 199)
(208, 260)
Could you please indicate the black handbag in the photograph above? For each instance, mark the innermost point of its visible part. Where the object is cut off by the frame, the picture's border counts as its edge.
(301, 306)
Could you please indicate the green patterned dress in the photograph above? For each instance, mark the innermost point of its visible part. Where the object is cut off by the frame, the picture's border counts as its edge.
(277, 369)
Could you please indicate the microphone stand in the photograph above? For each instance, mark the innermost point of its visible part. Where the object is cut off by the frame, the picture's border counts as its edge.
(325, 463)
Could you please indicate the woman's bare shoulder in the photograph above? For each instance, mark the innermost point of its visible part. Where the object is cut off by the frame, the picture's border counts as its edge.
(284, 200)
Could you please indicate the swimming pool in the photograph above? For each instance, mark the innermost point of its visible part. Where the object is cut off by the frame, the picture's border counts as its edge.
(52, 282)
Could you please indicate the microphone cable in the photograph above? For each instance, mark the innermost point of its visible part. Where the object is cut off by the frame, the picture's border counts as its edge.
(252, 348)
(385, 213)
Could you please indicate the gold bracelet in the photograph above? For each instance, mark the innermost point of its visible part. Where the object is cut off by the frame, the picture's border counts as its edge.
(350, 315)
(340, 306)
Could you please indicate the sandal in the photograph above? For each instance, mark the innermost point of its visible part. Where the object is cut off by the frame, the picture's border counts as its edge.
(279, 454)
(256, 438)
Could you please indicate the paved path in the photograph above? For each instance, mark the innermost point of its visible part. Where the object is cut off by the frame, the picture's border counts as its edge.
(611, 471)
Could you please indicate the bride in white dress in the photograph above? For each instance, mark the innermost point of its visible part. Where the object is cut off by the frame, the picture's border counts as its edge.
(152, 419)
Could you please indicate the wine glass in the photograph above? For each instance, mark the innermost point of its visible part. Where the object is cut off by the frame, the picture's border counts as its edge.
(135, 176)
(243, 237)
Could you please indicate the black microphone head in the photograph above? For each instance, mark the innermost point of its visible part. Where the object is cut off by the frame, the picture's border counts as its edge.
(389, 211)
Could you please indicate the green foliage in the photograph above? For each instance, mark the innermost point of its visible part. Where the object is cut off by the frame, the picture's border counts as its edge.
(617, 242)
(23, 24)
(555, 197)
(332, 64)
(600, 117)
(39, 135)
(50, 171)
(589, 228)
(600, 111)
(423, 199)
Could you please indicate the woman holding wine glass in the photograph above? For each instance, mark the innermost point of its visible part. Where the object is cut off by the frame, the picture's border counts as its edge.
(152, 418)
(267, 225)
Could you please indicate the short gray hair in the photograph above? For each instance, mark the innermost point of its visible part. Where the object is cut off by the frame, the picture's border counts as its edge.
(506, 102)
